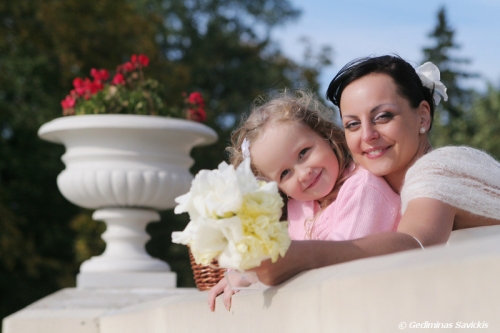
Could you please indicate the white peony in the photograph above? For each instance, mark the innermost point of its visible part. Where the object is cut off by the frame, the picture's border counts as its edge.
(215, 193)
(234, 218)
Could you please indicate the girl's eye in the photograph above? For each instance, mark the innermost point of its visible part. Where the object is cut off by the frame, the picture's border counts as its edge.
(303, 152)
(284, 173)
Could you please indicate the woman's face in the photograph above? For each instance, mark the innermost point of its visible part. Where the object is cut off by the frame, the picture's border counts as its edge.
(382, 129)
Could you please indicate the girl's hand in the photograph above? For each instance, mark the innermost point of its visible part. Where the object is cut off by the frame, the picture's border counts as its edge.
(221, 287)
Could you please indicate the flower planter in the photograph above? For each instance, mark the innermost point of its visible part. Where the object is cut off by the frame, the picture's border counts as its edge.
(128, 167)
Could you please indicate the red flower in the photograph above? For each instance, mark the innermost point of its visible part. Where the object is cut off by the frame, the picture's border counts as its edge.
(197, 114)
(96, 86)
(79, 85)
(128, 67)
(139, 59)
(143, 60)
(118, 79)
(195, 98)
(130, 74)
(68, 103)
(99, 74)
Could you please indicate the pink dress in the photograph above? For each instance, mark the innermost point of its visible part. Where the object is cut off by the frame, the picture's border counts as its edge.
(365, 205)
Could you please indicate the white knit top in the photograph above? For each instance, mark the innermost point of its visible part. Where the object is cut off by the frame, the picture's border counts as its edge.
(463, 177)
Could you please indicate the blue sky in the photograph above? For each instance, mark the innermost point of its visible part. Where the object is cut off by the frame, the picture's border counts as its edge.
(357, 28)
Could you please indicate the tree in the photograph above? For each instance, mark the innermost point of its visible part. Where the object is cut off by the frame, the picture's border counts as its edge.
(219, 47)
(43, 45)
(452, 121)
(486, 118)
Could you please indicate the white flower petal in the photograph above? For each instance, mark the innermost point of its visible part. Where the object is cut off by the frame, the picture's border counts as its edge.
(430, 76)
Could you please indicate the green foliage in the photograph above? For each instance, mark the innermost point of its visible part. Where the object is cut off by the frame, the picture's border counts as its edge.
(220, 48)
(452, 123)
(468, 117)
(144, 99)
(486, 120)
(119, 99)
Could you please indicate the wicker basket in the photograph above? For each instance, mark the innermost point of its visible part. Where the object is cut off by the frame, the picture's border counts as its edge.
(206, 277)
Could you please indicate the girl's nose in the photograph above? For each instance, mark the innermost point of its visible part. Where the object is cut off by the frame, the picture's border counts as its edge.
(369, 133)
(303, 173)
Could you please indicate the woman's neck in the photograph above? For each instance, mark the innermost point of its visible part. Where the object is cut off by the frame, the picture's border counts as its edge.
(396, 179)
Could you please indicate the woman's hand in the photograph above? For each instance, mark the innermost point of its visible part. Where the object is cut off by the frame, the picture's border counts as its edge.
(301, 256)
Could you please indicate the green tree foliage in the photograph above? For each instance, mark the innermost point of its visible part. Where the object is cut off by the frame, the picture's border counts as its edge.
(468, 117)
(452, 120)
(43, 45)
(220, 47)
(486, 120)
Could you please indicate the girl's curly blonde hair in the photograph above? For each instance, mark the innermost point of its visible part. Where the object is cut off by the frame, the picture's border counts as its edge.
(299, 107)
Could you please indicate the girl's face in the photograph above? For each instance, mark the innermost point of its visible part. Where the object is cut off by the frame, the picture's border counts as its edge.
(299, 160)
(382, 129)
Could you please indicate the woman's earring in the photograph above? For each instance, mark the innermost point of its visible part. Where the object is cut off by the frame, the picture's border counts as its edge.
(422, 130)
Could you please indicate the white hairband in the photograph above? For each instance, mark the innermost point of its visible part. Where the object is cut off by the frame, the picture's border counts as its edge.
(245, 148)
(430, 77)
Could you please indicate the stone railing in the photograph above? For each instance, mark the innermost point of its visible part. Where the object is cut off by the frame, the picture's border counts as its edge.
(452, 288)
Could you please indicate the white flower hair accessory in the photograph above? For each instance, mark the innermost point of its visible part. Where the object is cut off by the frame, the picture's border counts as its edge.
(430, 76)
(245, 148)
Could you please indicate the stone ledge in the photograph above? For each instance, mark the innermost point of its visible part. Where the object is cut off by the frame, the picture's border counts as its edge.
(442, 285)
(445, 284)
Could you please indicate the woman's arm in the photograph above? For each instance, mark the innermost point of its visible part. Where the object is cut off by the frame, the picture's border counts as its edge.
(428, 220)
(306, 255)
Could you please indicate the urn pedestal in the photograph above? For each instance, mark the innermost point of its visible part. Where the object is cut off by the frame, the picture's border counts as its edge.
(127, 167)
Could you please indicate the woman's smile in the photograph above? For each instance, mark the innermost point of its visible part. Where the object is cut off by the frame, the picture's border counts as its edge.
(376, 152)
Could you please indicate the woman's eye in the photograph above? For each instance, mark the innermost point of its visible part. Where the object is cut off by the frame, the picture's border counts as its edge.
(303, 152)
(284, 173)
(384, 117)
(351, 125)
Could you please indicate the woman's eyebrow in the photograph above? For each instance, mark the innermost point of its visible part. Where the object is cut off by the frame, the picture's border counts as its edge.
(375, 109)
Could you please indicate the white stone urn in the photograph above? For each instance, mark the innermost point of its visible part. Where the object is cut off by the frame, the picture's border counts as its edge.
(128, 167)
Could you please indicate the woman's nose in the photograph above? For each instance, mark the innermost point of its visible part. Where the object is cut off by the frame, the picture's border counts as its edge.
(369, 133)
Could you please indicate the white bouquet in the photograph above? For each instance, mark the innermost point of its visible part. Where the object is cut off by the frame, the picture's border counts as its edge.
(235, 218)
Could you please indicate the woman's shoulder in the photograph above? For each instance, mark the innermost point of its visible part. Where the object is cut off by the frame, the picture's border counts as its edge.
(460, 176)
(461, 152)
(451, 157)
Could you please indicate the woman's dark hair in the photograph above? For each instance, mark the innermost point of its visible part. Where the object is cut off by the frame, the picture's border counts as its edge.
(406, 79)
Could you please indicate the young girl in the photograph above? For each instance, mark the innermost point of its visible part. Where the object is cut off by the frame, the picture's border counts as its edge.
(294, 141)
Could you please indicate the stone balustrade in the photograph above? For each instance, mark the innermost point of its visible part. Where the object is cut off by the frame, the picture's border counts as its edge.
(452, 287)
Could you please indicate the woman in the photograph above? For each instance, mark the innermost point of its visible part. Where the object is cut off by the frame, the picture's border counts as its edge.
(386, 111)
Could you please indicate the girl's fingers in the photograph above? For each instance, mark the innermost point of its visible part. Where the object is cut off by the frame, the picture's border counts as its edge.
(214, 292)
(228, 294)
